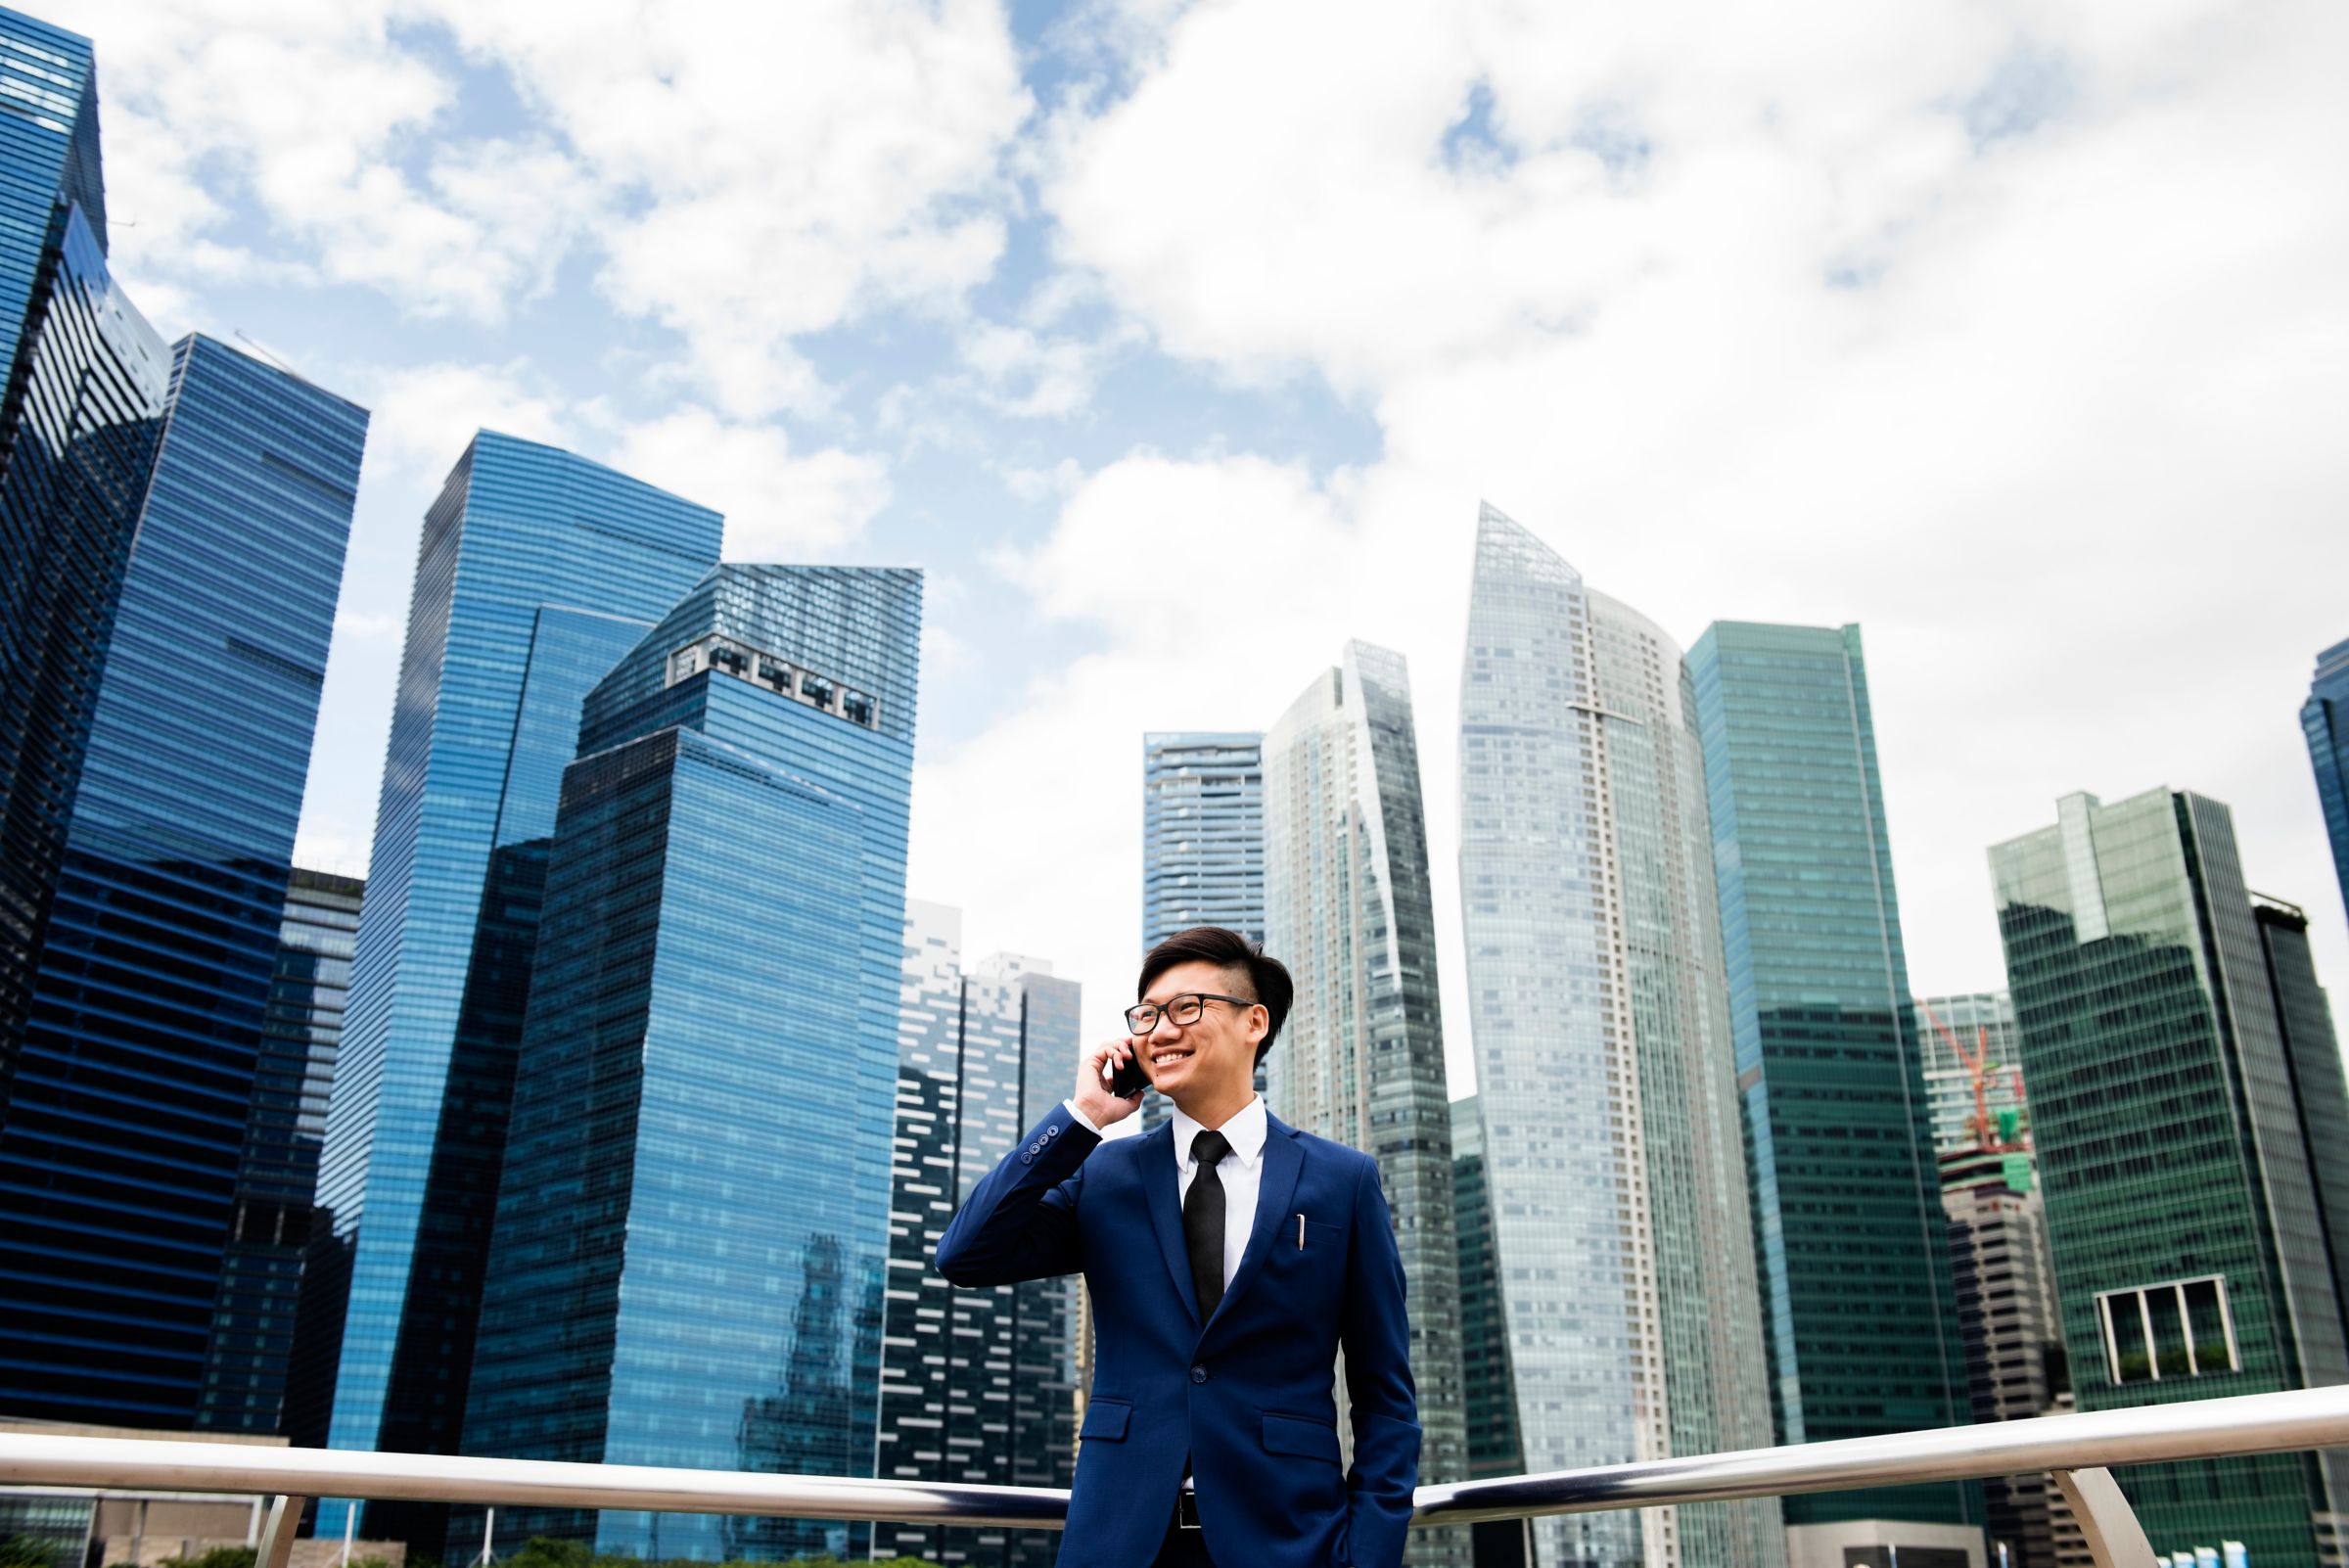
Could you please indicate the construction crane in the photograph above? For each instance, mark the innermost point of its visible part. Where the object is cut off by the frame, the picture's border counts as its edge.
(1980, 1067)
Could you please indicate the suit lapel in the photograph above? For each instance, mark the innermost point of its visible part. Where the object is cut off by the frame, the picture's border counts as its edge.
(1276, 1184)
(1162, 1189)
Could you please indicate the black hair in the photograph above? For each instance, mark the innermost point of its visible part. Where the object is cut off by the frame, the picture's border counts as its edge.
(1267, 978)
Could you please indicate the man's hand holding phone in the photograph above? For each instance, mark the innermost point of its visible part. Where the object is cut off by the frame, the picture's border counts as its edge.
(1106, 1071)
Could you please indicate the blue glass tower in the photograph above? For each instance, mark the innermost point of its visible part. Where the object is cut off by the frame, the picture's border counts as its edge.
(250, 1382)
(688, 1256)
(537, 571)
(1857, 1297)
(2326, 718)
(79, 416)
(128, 1109)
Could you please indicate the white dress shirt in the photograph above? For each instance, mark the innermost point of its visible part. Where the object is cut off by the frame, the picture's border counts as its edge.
(1241, 1171)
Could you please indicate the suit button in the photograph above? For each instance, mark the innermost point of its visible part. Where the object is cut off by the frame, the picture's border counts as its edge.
(1198, 1374)
(1027, 1159)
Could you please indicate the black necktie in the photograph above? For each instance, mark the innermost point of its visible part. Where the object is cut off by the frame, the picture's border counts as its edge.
(1203, 1221)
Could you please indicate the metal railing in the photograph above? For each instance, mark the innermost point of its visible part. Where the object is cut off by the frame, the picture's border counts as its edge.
(2077, 1449)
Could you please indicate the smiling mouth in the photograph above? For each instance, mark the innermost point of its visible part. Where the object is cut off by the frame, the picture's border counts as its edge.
(1168, 1058)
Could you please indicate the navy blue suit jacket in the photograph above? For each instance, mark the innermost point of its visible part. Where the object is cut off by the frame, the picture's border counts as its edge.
(1245, 1396)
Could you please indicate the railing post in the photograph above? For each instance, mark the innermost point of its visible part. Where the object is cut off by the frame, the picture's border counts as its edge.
(2106, 1521)
(277, 1536)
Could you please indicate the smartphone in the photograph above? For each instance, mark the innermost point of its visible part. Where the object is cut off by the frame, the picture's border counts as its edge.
(1129, 1079)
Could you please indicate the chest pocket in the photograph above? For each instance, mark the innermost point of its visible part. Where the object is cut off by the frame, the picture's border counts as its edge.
(1314, 1273)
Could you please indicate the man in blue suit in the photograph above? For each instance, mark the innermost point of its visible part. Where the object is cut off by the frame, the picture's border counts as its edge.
(1230, 1258)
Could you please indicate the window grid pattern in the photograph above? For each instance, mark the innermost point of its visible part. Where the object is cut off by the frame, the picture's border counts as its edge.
(977, 1386)
(687, 1267)
(134, 1092)
(1854, 1263)
(468, 798)
(1361, 1058)
(2155, 1121)
(1611, 1147)
(249, 1375)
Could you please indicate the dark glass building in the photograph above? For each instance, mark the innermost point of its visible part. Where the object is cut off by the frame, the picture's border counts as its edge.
(255, 1320)
(79, 416)
(1852, 1251)
(2183, 1152)
(134, 1078)
(687, 1267)
(977, 1386)
(2326, 718)
(537, 571)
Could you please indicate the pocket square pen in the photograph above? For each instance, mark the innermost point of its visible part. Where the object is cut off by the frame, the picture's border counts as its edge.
(1301, 1232)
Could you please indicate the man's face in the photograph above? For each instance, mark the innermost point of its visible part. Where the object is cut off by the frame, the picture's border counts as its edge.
(1216, 1054)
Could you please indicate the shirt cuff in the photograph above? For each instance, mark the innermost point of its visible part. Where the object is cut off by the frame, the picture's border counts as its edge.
(1080, 1119)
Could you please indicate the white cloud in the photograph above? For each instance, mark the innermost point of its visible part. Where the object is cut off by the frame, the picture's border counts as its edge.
(778, 506)
(750, 176)
(1748, 321)
(790, 167)
(423, 416)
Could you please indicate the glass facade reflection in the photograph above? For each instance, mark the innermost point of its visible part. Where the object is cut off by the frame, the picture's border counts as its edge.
(2184, 1210)
(1604, 1055)
(255, 1318)
(79, 421)
(1853, 1264)
(977, 1386)
(1203, 844)
(536, 570)
(1361, 1059)
(688, 1257)
(2325, 719)
(151, 990)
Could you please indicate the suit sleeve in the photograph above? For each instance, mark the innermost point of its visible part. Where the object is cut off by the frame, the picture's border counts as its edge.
(1376, 1337)
(1020, 1221)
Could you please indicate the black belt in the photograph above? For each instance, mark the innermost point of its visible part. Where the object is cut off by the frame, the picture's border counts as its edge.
(1186, 1509)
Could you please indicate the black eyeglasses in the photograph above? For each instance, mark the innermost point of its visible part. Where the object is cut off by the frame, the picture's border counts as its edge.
(1180, 1011)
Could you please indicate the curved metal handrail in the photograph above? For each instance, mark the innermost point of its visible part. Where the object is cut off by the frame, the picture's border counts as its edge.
(2075, 1448)
(2195, 1429)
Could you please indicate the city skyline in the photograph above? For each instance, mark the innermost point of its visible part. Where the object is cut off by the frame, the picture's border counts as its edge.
(995, 362)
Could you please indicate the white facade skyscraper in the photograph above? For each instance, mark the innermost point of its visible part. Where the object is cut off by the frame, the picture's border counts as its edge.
(1621, 1215)
(1361, 1059)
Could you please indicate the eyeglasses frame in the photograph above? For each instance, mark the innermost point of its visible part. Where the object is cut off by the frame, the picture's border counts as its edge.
(1162, 1008)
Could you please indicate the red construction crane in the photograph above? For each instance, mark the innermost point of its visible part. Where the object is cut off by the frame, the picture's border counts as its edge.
(1979, 1065)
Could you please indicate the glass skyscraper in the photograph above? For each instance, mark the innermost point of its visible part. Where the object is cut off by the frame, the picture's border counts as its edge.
(1361, 1059)
(151, 978)
(537, 571)
(1203, 833)
(2182, 1153)
(1611, 1147)
(1982, 1022)
(688, 1259)
(1854, 1262)
(78, 423)
(977, 1386)
(2326, 718)
(248, 1370)
(1203, 844)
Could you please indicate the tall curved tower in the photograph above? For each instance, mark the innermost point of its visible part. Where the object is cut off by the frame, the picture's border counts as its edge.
(1604, 1074)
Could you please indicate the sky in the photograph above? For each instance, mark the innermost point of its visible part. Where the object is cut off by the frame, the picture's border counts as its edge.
(1178, 344)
